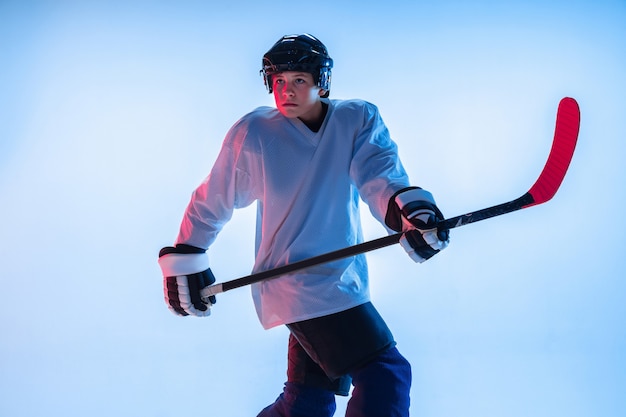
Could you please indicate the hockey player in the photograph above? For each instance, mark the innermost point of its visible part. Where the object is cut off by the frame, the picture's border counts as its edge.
(305, 163)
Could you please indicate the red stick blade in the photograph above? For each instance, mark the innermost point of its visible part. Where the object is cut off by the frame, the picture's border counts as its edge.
(565, 137)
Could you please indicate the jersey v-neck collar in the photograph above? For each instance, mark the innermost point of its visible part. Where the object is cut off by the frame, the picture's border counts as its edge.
(310, 135)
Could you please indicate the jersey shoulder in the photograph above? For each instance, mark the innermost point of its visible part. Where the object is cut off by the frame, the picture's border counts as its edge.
(354, 106)
(260, 115)
(257, 121)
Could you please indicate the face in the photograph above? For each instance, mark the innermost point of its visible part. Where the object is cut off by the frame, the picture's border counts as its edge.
(297, 95)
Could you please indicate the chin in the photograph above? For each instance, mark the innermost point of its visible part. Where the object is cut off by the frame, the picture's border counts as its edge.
(290, 113)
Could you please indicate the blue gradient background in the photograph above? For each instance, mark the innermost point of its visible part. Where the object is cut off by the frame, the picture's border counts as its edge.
(112, 112)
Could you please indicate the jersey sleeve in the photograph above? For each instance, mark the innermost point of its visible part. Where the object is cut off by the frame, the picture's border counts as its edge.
(376, 167)
(229, 185)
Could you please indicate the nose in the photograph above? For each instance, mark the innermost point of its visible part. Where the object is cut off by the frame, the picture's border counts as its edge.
(288, 88)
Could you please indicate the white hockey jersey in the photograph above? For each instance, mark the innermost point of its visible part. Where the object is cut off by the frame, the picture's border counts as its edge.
(307, 187)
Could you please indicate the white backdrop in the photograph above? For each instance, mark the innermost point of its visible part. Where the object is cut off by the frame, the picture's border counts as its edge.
(112, 112)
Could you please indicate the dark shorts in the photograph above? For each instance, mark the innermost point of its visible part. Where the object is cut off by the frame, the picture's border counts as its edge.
(337, 343)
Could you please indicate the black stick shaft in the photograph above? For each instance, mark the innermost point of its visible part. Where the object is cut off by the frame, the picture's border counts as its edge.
(566, 133)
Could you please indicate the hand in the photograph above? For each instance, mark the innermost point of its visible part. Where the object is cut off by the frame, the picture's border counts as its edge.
(420, 215)
(185, 272)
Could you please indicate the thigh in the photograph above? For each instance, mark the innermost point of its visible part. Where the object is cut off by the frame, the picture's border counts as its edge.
(343, 341)
(303, 370)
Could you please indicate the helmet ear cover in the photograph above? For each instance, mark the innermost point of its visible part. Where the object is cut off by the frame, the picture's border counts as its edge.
(298, 53)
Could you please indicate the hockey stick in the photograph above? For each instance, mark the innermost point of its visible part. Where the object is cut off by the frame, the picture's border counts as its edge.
(546, 186)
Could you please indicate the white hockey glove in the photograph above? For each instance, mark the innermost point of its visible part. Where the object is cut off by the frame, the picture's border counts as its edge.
(185, 272)
(419, 216)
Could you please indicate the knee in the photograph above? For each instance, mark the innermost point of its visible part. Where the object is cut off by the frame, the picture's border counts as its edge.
(388, 368)
(382, 387)
(399, 366)
(301, 401)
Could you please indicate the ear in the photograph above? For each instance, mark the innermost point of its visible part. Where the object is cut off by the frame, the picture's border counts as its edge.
(322, 93)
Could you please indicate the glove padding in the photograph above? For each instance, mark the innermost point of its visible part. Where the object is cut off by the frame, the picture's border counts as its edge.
(185, 273)
(420, 215)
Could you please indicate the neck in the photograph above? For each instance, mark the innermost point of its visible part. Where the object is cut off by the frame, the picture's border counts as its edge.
(315, 123)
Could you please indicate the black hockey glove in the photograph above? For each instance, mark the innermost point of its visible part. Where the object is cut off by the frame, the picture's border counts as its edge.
(185, 272)
(418, 216)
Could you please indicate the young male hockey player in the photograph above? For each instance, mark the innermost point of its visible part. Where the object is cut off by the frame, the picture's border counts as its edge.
(305, 163)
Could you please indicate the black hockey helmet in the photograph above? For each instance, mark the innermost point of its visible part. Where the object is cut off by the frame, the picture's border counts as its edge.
(298, 53)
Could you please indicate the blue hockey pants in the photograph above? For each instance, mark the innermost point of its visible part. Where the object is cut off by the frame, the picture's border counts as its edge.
(381, 389)
(327, 352)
